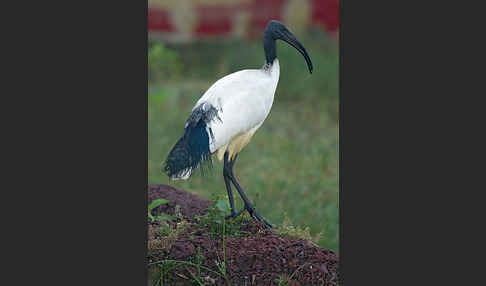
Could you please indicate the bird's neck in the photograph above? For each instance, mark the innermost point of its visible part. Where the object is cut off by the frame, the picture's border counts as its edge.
(270, 48)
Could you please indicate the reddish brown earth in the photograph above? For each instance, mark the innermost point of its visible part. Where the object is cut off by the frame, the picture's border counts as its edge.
(191, 204)
(258, 259)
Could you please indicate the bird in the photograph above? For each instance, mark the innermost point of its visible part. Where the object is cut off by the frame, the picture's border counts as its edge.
(228, 114)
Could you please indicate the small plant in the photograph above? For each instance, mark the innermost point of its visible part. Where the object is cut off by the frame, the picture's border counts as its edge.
(284, 279)
(160, 216)
(199, 259)
(164, 268)
(197, 262)
(161, 236)
(215, 219)
(222, 264)
(216, 213)
(287, 229)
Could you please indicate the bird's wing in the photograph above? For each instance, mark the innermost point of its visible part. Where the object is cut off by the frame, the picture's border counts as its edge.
(239, 102)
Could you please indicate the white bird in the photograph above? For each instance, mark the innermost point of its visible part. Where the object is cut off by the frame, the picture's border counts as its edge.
(228, 114)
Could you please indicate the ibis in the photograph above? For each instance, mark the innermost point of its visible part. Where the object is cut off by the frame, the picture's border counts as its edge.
(228, 114)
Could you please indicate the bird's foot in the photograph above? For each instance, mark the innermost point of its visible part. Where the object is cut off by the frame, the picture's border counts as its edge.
(254, 214)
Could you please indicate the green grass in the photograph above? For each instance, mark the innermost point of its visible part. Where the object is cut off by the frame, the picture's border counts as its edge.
(291, 165)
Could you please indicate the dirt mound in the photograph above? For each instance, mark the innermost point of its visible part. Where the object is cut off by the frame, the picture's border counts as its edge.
(191, 204)
(260, 258)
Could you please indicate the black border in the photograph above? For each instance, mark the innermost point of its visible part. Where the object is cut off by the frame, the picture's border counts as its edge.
(81, 144)
(396, 77)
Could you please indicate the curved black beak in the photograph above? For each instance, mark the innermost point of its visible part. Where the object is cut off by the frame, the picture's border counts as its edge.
(288, 37)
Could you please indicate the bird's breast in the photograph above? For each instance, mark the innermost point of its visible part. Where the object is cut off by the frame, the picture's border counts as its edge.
(243, 101)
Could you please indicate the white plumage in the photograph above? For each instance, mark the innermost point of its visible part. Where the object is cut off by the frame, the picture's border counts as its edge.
(243, 100)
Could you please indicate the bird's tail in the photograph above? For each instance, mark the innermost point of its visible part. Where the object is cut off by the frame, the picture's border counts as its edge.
(189, 152)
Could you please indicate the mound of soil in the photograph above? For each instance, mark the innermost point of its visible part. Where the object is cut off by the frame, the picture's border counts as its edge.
(191, 204)
(261, 258)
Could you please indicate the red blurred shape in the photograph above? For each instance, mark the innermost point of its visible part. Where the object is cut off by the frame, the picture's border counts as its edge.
(326, 13)
(214, 19)
(263, 11)
(158, 19)
(217, 19)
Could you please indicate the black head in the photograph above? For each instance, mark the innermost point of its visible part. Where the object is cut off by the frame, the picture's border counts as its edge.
(275, 30)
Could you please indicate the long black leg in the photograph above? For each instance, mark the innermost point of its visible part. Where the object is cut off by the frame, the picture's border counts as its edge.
(226, 172)
(248, 205)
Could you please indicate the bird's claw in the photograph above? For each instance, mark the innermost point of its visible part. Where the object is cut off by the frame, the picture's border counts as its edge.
(253, 213)
(258, 217)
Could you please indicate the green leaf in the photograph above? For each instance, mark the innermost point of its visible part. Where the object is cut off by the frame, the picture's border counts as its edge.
(164, 216)
(223, 206)
(156, 203)
(151, 217)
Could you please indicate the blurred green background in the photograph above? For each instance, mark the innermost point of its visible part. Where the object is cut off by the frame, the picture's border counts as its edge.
(291, 165)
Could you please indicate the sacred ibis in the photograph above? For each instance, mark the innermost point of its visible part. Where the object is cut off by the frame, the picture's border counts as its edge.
(228, 114)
